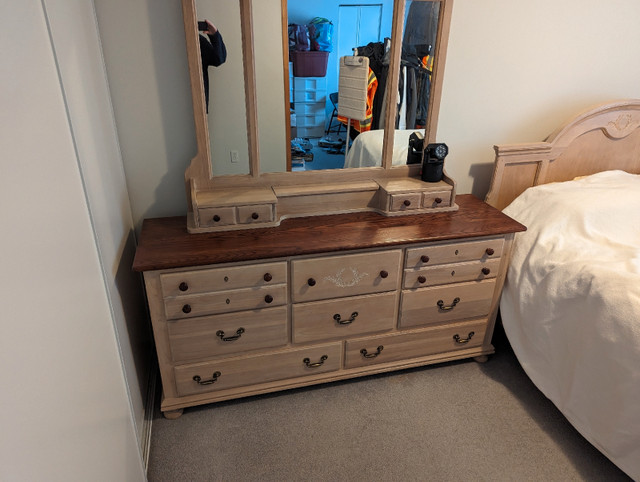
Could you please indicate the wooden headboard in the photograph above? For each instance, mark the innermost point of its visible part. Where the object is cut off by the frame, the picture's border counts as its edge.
(603, 138)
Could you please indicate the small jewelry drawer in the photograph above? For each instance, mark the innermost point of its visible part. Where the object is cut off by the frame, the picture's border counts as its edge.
(428, 306)
(217, 216)
(250, 370)
(454, 252)
(227, 334)
(257, 213)
(404, 346)
(345, 317)
(225, 301)
(404, 202)
(434, 200)
(215, 279)
(451, 273)
(346, 275)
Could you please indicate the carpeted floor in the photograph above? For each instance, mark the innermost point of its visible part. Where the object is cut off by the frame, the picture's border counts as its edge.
(458, 421)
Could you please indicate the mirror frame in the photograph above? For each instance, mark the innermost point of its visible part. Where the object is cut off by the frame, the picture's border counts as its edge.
(198, 176)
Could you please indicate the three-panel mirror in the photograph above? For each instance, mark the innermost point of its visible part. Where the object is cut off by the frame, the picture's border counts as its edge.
(271, 106)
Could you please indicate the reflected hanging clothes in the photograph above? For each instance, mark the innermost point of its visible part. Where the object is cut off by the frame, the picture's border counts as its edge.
(365, 125)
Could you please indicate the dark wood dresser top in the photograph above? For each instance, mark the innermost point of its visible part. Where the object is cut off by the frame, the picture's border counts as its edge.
(165, 243)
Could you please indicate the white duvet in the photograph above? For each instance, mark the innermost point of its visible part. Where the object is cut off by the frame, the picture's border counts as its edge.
(571, 305)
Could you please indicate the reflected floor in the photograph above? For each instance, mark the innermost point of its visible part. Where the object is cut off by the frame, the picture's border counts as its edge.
(318, 153)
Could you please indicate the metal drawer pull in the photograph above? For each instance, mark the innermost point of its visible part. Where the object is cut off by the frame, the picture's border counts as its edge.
(183, 286)
(371, 355)
(211, 381)
(339, 320)
(486, 271)
(186, 309)
(307, 362)
(267, 277)
(238, 334)
(489, 251)
(462, 341)
(450, 307)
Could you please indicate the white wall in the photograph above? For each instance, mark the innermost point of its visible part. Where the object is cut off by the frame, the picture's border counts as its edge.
(515, 70)
(67, 413)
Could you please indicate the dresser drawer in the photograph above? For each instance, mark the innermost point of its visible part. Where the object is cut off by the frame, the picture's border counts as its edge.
(225, 301)
(404, 202)
(346, 275)
(428, 306)
(227, 278)
(249, 370)
(441, 199)
(325, 320)
(404, 346)
(451, 273)
(227, 334)
(257, 213)
(454, 252)
(218, 216)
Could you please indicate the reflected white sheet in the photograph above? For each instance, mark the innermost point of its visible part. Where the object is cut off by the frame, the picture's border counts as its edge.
(571, 305)
(366, 150)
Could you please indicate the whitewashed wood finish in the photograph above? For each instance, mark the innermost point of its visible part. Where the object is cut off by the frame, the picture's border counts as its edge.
(450, 273)
(454, 252)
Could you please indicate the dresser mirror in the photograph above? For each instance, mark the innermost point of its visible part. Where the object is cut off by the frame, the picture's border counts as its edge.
(245, 138)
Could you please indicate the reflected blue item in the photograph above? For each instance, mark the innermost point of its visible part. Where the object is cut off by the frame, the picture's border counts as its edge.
(321, 34)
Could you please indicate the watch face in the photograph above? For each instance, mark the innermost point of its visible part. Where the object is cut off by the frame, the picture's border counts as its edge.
(441, 151)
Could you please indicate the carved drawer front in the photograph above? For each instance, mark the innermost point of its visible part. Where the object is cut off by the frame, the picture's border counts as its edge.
(454, 252)
(225, 301)
(347, 275)
(249, 370)
(227, 278)
(227, 334)
(436, 199)
(451, 273)
(217, 216)
(257, 213)
(459, 301)
(405, 202)
(404, 346)
(325, 320)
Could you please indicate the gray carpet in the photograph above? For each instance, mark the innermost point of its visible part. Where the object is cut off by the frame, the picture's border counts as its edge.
(458, 421)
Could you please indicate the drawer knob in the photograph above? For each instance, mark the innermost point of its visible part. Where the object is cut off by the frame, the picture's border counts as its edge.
(268, 299)
(339, 319)
(311, 282)
(183, 286)
(489, 251)
(364, 353)
(486, 271)
(384, 274)
(422, 279)
(239, 332)
(255, 216)
(424, 258)
(438, 200)
(462, 341)
(212, 380)
(186, 309)
(450, 307)
(407, 202)
(307, 362)
(267, 277)
(216, 218)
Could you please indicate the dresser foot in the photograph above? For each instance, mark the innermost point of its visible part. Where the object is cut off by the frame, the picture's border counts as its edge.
(481, 358)
(173, 414)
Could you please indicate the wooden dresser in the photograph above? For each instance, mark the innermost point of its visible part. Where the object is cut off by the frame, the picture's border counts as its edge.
(320, 298)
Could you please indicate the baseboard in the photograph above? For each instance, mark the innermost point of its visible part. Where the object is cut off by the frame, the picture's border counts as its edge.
(149, 407)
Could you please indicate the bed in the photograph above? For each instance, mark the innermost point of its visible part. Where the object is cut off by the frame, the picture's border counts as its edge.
(366, 150)
(571, 301)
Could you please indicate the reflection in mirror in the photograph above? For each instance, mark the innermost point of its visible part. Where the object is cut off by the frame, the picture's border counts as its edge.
(227, 119)
(318, 137)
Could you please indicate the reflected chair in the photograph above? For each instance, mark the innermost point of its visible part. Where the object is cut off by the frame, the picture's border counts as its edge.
(334, 115)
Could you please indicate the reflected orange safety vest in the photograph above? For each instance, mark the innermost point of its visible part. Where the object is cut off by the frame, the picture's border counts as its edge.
(365, 125)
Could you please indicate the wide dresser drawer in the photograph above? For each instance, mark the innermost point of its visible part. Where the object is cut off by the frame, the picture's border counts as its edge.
(250, 370)
(344, 317)
(456, 252)
(394, 347)
(227, 334)
(347, 275)
(451, 273)
(428, 306)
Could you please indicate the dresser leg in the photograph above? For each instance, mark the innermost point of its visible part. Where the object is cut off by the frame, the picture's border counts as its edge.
(173, 414)
(481, 358)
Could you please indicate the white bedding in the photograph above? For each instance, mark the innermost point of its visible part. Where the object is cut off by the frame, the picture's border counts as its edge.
(366, 150)
(571, 305)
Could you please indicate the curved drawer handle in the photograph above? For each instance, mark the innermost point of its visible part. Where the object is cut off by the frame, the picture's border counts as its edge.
(238, 334)
(211, 381)
(339, 320)
(307, 362)
(441, 306)
(462, 341)
(371, 355)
